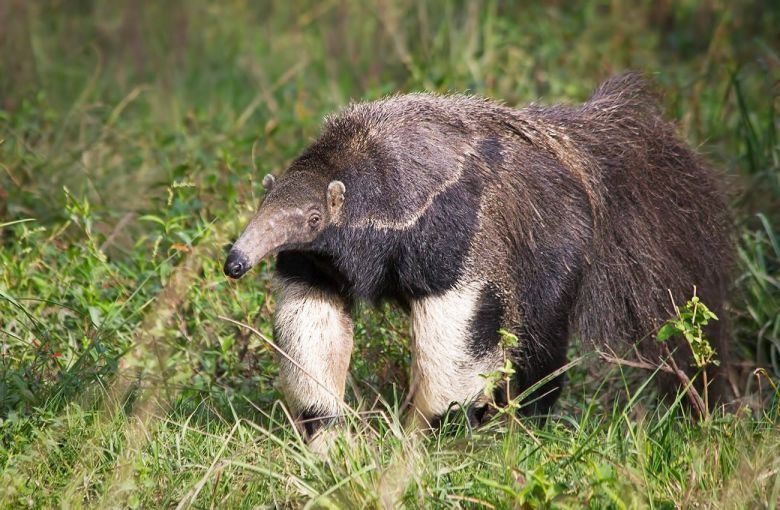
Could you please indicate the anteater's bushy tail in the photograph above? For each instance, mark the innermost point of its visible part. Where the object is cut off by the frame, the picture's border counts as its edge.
(663, 228)
(629, 92)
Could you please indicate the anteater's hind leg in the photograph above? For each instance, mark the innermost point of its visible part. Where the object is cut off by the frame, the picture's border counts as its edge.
(543, 344)
(446, 368)
(535, 366)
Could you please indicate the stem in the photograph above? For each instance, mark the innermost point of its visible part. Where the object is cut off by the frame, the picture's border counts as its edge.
(693, 395)
(507, 379)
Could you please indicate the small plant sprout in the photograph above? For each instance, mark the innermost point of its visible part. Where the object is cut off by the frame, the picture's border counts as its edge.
(504, 374)
(689, 323)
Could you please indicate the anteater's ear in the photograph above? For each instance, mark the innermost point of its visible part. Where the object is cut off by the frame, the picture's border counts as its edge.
(336, 191)
(268, 182)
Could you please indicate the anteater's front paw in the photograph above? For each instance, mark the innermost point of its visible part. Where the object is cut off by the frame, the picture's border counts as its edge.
(320, 431)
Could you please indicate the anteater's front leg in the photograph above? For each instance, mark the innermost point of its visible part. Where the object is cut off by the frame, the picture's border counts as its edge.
(455, 342)
(314, 329)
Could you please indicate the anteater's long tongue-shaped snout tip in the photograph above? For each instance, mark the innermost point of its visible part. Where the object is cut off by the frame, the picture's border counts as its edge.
(237, 264)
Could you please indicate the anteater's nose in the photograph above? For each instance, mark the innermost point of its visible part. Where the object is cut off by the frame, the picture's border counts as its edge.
(236, 264)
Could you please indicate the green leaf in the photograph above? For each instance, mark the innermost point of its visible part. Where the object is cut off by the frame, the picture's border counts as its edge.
(667, 331)
(96, 315)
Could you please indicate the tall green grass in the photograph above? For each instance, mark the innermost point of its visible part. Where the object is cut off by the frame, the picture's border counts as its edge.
(132, 140)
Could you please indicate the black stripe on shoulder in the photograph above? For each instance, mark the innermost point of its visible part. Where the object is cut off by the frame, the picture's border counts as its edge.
(310, 268)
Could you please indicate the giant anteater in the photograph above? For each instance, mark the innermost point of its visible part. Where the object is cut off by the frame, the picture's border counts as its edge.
(550, 222)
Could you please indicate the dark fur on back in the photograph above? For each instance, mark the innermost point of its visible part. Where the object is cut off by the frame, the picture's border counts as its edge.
(580, 219)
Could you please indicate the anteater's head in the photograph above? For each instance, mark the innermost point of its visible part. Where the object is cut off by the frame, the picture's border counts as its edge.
(293, 213)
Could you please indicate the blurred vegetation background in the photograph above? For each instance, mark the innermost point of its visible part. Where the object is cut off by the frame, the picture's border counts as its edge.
(134, 135)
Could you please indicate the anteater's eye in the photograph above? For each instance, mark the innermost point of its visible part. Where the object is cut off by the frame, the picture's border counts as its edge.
(314, 220)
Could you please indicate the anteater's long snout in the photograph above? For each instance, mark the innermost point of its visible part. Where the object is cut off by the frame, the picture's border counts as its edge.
(266, 233)
(237, 264)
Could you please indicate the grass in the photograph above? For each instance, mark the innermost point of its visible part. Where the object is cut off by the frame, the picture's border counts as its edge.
(132, 144)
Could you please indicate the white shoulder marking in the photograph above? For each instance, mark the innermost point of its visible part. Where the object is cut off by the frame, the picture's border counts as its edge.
(412, 219)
